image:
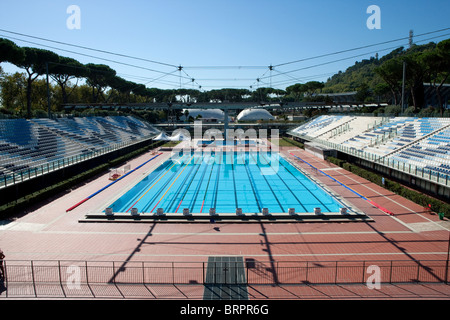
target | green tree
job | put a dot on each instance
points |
(414, 79)
(296, 91)
(391, 71)
(65, 70)
(13, 93)
(10, 52)
(313, 87)
(363, 92)
(121, 88)
(99, 77)
(437, 68)
(35, 64)
(381, 91)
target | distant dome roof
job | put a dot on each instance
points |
(255, 114)
(205, 113)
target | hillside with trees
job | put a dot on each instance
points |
(380, 79)
(376, 79)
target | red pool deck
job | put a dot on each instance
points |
(48, 232)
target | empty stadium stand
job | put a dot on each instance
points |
(417, 146)
(29, 146)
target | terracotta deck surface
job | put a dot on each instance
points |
(48, 232)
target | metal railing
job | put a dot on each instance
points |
(23, 175)
(250, 271)
(402, 166)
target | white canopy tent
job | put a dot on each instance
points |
(179, 137)
(162, 137)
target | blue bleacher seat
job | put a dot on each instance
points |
(27, 144)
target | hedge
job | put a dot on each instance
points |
(397, 188)
(294, 143)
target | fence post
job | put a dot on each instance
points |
(335, 273)
(225, 272)
(173, 275)
(60, 278)
(418, 270)
(87, 278)
(448, 257)
(277, 272)
(32, 277)
(363, 271)
(5, 276)
(307, 269)
(246, 270)
(390, 274)
(113, 271)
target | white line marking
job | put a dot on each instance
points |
(231, 254)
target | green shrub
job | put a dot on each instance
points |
(290, 141)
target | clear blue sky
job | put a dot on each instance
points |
(223, 33)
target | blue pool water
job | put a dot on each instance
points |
(226, 181)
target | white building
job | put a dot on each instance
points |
(209, 114)
(254, 115)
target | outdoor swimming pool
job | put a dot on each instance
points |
(250, 181)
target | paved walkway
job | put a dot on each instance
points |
(48, 232)
(430, 291)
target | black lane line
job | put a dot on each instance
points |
(173, 202)
(155, 196)
(234, 186)
(217, 183)
(298, 200)
(250, 178)
(267, 182)
(199, 185)
(209, 179)
(287, 169)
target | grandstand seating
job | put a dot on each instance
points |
(321, 125)
(420, 142)
(371, 137)
(27, 144)
(430, 152)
